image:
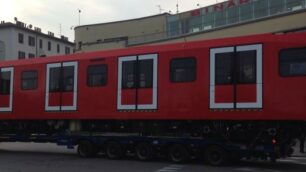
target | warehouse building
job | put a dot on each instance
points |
(227, 19)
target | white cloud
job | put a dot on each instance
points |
(49, 14)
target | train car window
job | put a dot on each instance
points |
(145, 71)
(54, 83)
(247, 67)
(29, 80)
(128, 74)
(5, 81)
(68, 78)
(183, 70)
(224, 68)
(97, 75)
(292, 62)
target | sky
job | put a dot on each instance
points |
(61, 16)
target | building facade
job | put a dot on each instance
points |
(226, 19)
(19, 41)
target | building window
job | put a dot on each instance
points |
(97, 75)
(31, 55)
(260, 8)
(49, 46)
(208, 21)
(183, 70)
(29, 80)
(195, 24)
(246, 11)
(31, 41)
(80, 45)
(293, 5)
(276, 6)
(58, 48)
(67, 50)
(232, 15)
(220, 18)
(20, 38)
(292, 62)
(40, 44)
(21, 55)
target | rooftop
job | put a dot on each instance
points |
(36, 30)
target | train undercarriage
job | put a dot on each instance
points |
(248, 134)
(232, 130)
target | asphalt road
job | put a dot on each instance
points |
(20, 157)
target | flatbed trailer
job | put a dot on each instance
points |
(177, 149)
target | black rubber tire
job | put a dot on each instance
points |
(178, 154)
(144, 152)
(215, 156)
(114, 150)
(86, 149)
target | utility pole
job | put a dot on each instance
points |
(79, 16)
(160, 9)
(60, 29)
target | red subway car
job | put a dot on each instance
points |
(248, 82)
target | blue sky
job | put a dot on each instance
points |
(51, 15)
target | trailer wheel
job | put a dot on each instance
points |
(215, 155)
(114, 150)
(144, 151)
(86, 149)
(178, 153)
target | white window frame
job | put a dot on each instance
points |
(10, 107)
(75, 87)
(258, 49)
(259, 81)
(212, 101)
(120, 106)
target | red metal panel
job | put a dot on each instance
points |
(4, 100)
(246, 93)
(67, 98)
(224, 93)
(128, 97)
(54, 99)
(144, 96)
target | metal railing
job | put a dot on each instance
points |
(256, 9)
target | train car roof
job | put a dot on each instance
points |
(148, 49)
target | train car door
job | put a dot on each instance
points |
(6, 89)
(236, 77)
(137, 82)
(61, 86)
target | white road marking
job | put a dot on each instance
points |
(256, 169)
(295, 160)
(292, 160)
(299, 158)
(171, 168)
